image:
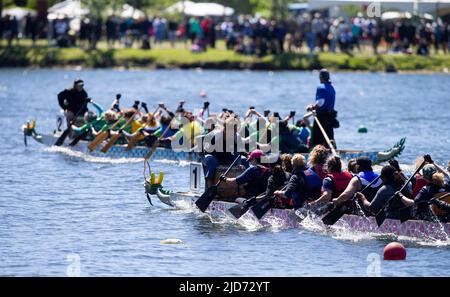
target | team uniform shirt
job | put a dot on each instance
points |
(382, 199)
(325, 98)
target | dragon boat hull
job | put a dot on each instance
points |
(119, 151)
(412, 228)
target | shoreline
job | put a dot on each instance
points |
(214, 59)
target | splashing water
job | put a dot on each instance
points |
(89, 158)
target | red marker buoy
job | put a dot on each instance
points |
(394, 251)
(203, 94)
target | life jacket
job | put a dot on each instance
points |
(313, 183)
(420, 183)
(366, 177)
(340, 182)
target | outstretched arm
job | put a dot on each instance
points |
(353, 187)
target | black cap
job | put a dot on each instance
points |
(388, 174)
(78, 81)
(364, 163)
(324, 74)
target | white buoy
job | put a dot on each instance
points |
(171, 241)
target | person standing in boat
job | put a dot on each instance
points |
(324, 109)
(74, 102)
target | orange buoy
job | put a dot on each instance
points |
(203, 94)
(394, 251)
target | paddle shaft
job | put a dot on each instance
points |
(127, 122)
(263, 206)
(228, 170)
(327, 139)
(371, 184)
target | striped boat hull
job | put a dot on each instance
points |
(119, 151)
(411, 228)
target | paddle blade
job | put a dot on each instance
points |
(149, 199)
(262, 207)
(205, 200)
(238, 210)
(98, 140)
(380, 217)
(63, 137)
(111, 142)
(301, 214)
(78, 138)
(333, 216)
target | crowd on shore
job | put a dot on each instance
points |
(245, 34)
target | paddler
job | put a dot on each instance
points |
(303, 185)
(335, 182)
(92, 120)
(324, 108)
(438, 182)
(220, 149)
(392, 182)
(74, 102)
(188, 132)
(317, 159)
(363, 178)
(130, 128)
(254, 178)
(146, 131)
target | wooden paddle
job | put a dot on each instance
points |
(132, 142)
(205, 200)
(338, 211)
(381, 215)
(102, 135)
(327, 139)
(116, 137)
(66, 132)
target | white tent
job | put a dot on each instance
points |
(179, 6)
(18, 12)
(69, 8)
(413, 6)
(200, 9)
(129, 11)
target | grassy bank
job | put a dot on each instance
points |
(42, 56)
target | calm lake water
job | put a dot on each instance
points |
(56, 208)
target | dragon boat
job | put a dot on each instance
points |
(119, 151)
(219, 207)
